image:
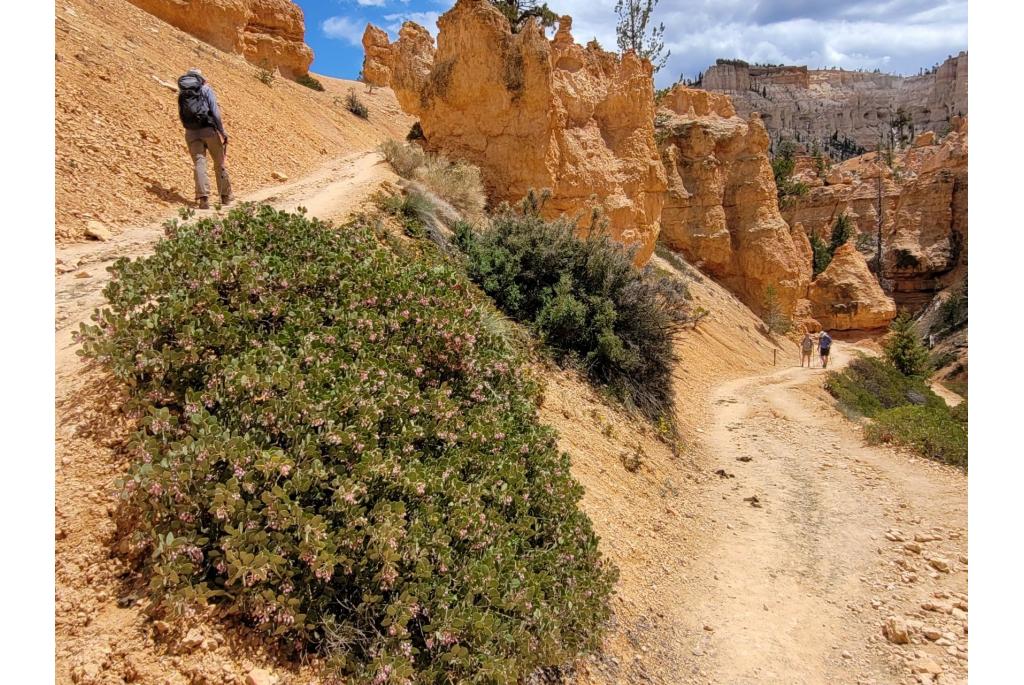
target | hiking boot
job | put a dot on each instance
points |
(204, 203)
(226, 200)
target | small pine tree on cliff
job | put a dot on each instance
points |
(904, 349)
(638, 33)
(518, 11)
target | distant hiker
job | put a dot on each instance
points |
(204, 130)
(806, 347)
(824, 347)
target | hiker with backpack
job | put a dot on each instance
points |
(204, 130)
(806, 347)
(824, 347)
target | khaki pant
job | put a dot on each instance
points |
(199, 142)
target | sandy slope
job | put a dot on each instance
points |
(121, 157)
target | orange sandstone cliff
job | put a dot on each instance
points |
(534, 113)
(268, 33)
(721, 209)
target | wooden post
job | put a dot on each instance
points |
(775, 353)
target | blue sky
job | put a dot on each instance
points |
(897, 36)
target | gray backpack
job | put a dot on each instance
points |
(193, 107)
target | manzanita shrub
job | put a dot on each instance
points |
(335, 450)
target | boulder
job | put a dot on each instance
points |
(268, 33)
(846, 295)
(721, 208)
(97, 231)
(534, 113)
(896, 630)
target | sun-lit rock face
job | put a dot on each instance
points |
(406, 61)
(847, 296)
(721, 209)
(534, 113)
(268, 33)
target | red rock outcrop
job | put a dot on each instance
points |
(847, 296)
(721, 209)
(534, 114)
(924, 206)
(268, 33)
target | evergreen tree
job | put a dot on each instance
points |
(637, 32)
(518, 11)
(903, 349)
(774, 316)
(842, 230)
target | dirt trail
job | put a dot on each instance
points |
(796, 589)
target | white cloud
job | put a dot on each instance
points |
(372, 3)
(344, 28)
(892, 35)
(427, 20)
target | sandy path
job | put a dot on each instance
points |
(102, 635)
(796, 590)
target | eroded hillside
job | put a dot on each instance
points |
(120, 152)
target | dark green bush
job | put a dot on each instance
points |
(584, 298)
(953, 311)
(336, 450)
(903, 408)
(822, 257)
(869, 386)
(935, 432)
(842, 231)
(415, 132)
(310, 82)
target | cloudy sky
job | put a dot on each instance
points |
(898, 36)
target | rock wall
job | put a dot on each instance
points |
(267, 33)
(721, 209)
(924, 206)
(534, 113)
(847, 296)
(810, 105)
(405, 63)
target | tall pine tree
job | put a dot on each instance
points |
(637, 32)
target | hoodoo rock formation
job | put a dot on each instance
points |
(847, 296)
(268, 33)
(535, 114)
(811, 105)
(721, 209)
(923, 203)
(406, 61)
